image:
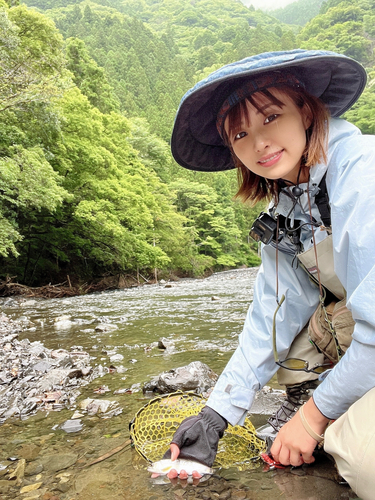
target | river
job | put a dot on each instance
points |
(199, 320)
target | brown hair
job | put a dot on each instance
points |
(254, 188)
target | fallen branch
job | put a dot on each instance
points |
(109, 454)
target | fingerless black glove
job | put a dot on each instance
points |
(198, 436)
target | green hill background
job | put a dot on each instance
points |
(88, 94)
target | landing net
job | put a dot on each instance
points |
(155, 423)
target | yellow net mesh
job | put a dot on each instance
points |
(155, 423)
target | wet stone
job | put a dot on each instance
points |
(50, 496)
(30, 487)
(238, 495)
(33, 469)
(97, 406)
(179, 492)
(265, 487)
(55, 463)
(298, 472)
(29, 452)
(225, 495)
(205, 495)
(218, 487)
(63, 487)
(5, 486)
(18, 473)
(106, 328)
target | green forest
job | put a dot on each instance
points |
(88, 94)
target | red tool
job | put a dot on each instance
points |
(271, 463)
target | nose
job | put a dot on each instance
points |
(262, 142)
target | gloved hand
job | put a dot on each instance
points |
(198, 436)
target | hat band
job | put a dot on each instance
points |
(274, 79)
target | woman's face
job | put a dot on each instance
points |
(271, 143)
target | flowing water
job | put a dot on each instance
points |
(198, 320)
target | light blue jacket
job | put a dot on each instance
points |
(351, 187)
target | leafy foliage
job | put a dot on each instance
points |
(30, 58)
(344, 28)
(88, 186)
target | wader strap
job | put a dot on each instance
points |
(322, 202)
(326, 268)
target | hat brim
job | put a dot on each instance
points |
(196, 144)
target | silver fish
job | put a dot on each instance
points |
(164, 466)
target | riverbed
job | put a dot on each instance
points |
(121, 330)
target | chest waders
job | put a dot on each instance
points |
(330, 327)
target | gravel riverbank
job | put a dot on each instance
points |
(33, 377)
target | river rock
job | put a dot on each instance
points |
(73, 425)
(29, 451)
(267, 401)
(42, 366)
(54, 463)
(196, 377)
(106, 328)
(30, 487)
(56, 377)
(166, 345)
(116, 358)
(33, 469)
(5, 486)
(100, 406)
(63, 487)
(19, 472)
(63, 322)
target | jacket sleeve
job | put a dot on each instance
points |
(252, 364)
(351, 189)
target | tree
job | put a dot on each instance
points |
(31, 59)
(342, 29)
(89, 77)
(28, 184)
(362, 113)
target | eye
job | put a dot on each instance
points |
(240, 135)
(271, 118)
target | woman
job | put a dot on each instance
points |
(268, 116)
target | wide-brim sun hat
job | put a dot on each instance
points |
(196, 143)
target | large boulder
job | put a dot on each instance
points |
(196, 377)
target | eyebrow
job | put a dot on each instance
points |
(264, 108)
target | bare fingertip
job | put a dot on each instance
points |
(172, 474)
(183, 474)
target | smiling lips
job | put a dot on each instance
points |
(268, 161)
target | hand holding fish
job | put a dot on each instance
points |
(196, 440)
(181, 468)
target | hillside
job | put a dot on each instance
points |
(346, 27)
(299, 12)
(153, 53)
(89, 187)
